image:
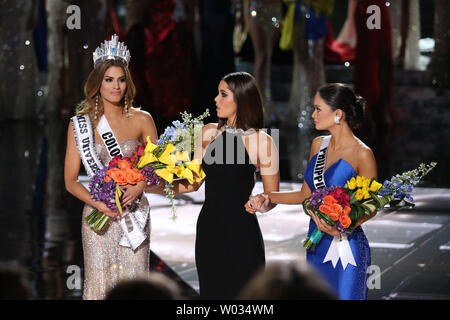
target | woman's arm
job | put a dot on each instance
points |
(289, 197)
(367, 167)
(179, 186)
(297, 197)
(147, 128)
(72, 165)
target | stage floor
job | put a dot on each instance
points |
(411, 247)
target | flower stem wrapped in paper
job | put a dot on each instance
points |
(171, 156)
(344, 207)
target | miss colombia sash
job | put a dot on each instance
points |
(108, 137)
(132, 223)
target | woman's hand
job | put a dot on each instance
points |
(131, 192)
(322, 225)
(255, 203)
(100, 206)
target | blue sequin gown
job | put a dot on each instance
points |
(350, 284)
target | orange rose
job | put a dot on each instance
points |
(117, 175)
(330, 211)
(345, 220)
(107, 179)
(347, 210)
(329, 199)
(133, 176)
(336, 208)
(123, 164)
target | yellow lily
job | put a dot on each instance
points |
(147, 156)
(166, 157)
(145, 159)
(195, 166)
(186, 173)
(182, 156)
(375, 186)
(359, 195)
(201, 176)
(365, 191)
(351, 184)
(359, 181)
(366, 182)
(166, 173)
(150, 147)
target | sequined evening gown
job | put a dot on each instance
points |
(229, 246)
(105, 261)
(350, 284)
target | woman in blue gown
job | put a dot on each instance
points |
(338, 110)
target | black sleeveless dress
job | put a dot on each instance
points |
(229, 247)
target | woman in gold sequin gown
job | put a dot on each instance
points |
(264, 19)
(105, 260)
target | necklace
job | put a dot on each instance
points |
(232, 130)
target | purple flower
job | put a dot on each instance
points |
(151, 178)
(103, 191)
(316, 198)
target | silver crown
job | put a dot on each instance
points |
(112, 49)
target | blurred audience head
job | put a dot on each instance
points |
(13, 283)
(287, 281)
(156, 286)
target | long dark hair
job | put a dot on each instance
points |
(340, 96)
(247, 97)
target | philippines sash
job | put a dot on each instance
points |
(319, 181)
(339, 247)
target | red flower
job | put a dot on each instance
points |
(140, 151)
(341, 196)
(114, 161)
(134, 158)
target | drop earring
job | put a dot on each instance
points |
(96, 108)
(126, 108)
(336, 119)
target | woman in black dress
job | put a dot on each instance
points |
(229, 247)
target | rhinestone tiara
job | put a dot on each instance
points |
(112, 49)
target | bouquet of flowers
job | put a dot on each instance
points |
(168, 159)
(344, 207)
(183, 135)
(106, 186)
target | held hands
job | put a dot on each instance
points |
(131, 192)
(322, 225)
(257, 203)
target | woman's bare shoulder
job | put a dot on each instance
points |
(211, 125)
(141, 115)
(315, 144)
(363, 152)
